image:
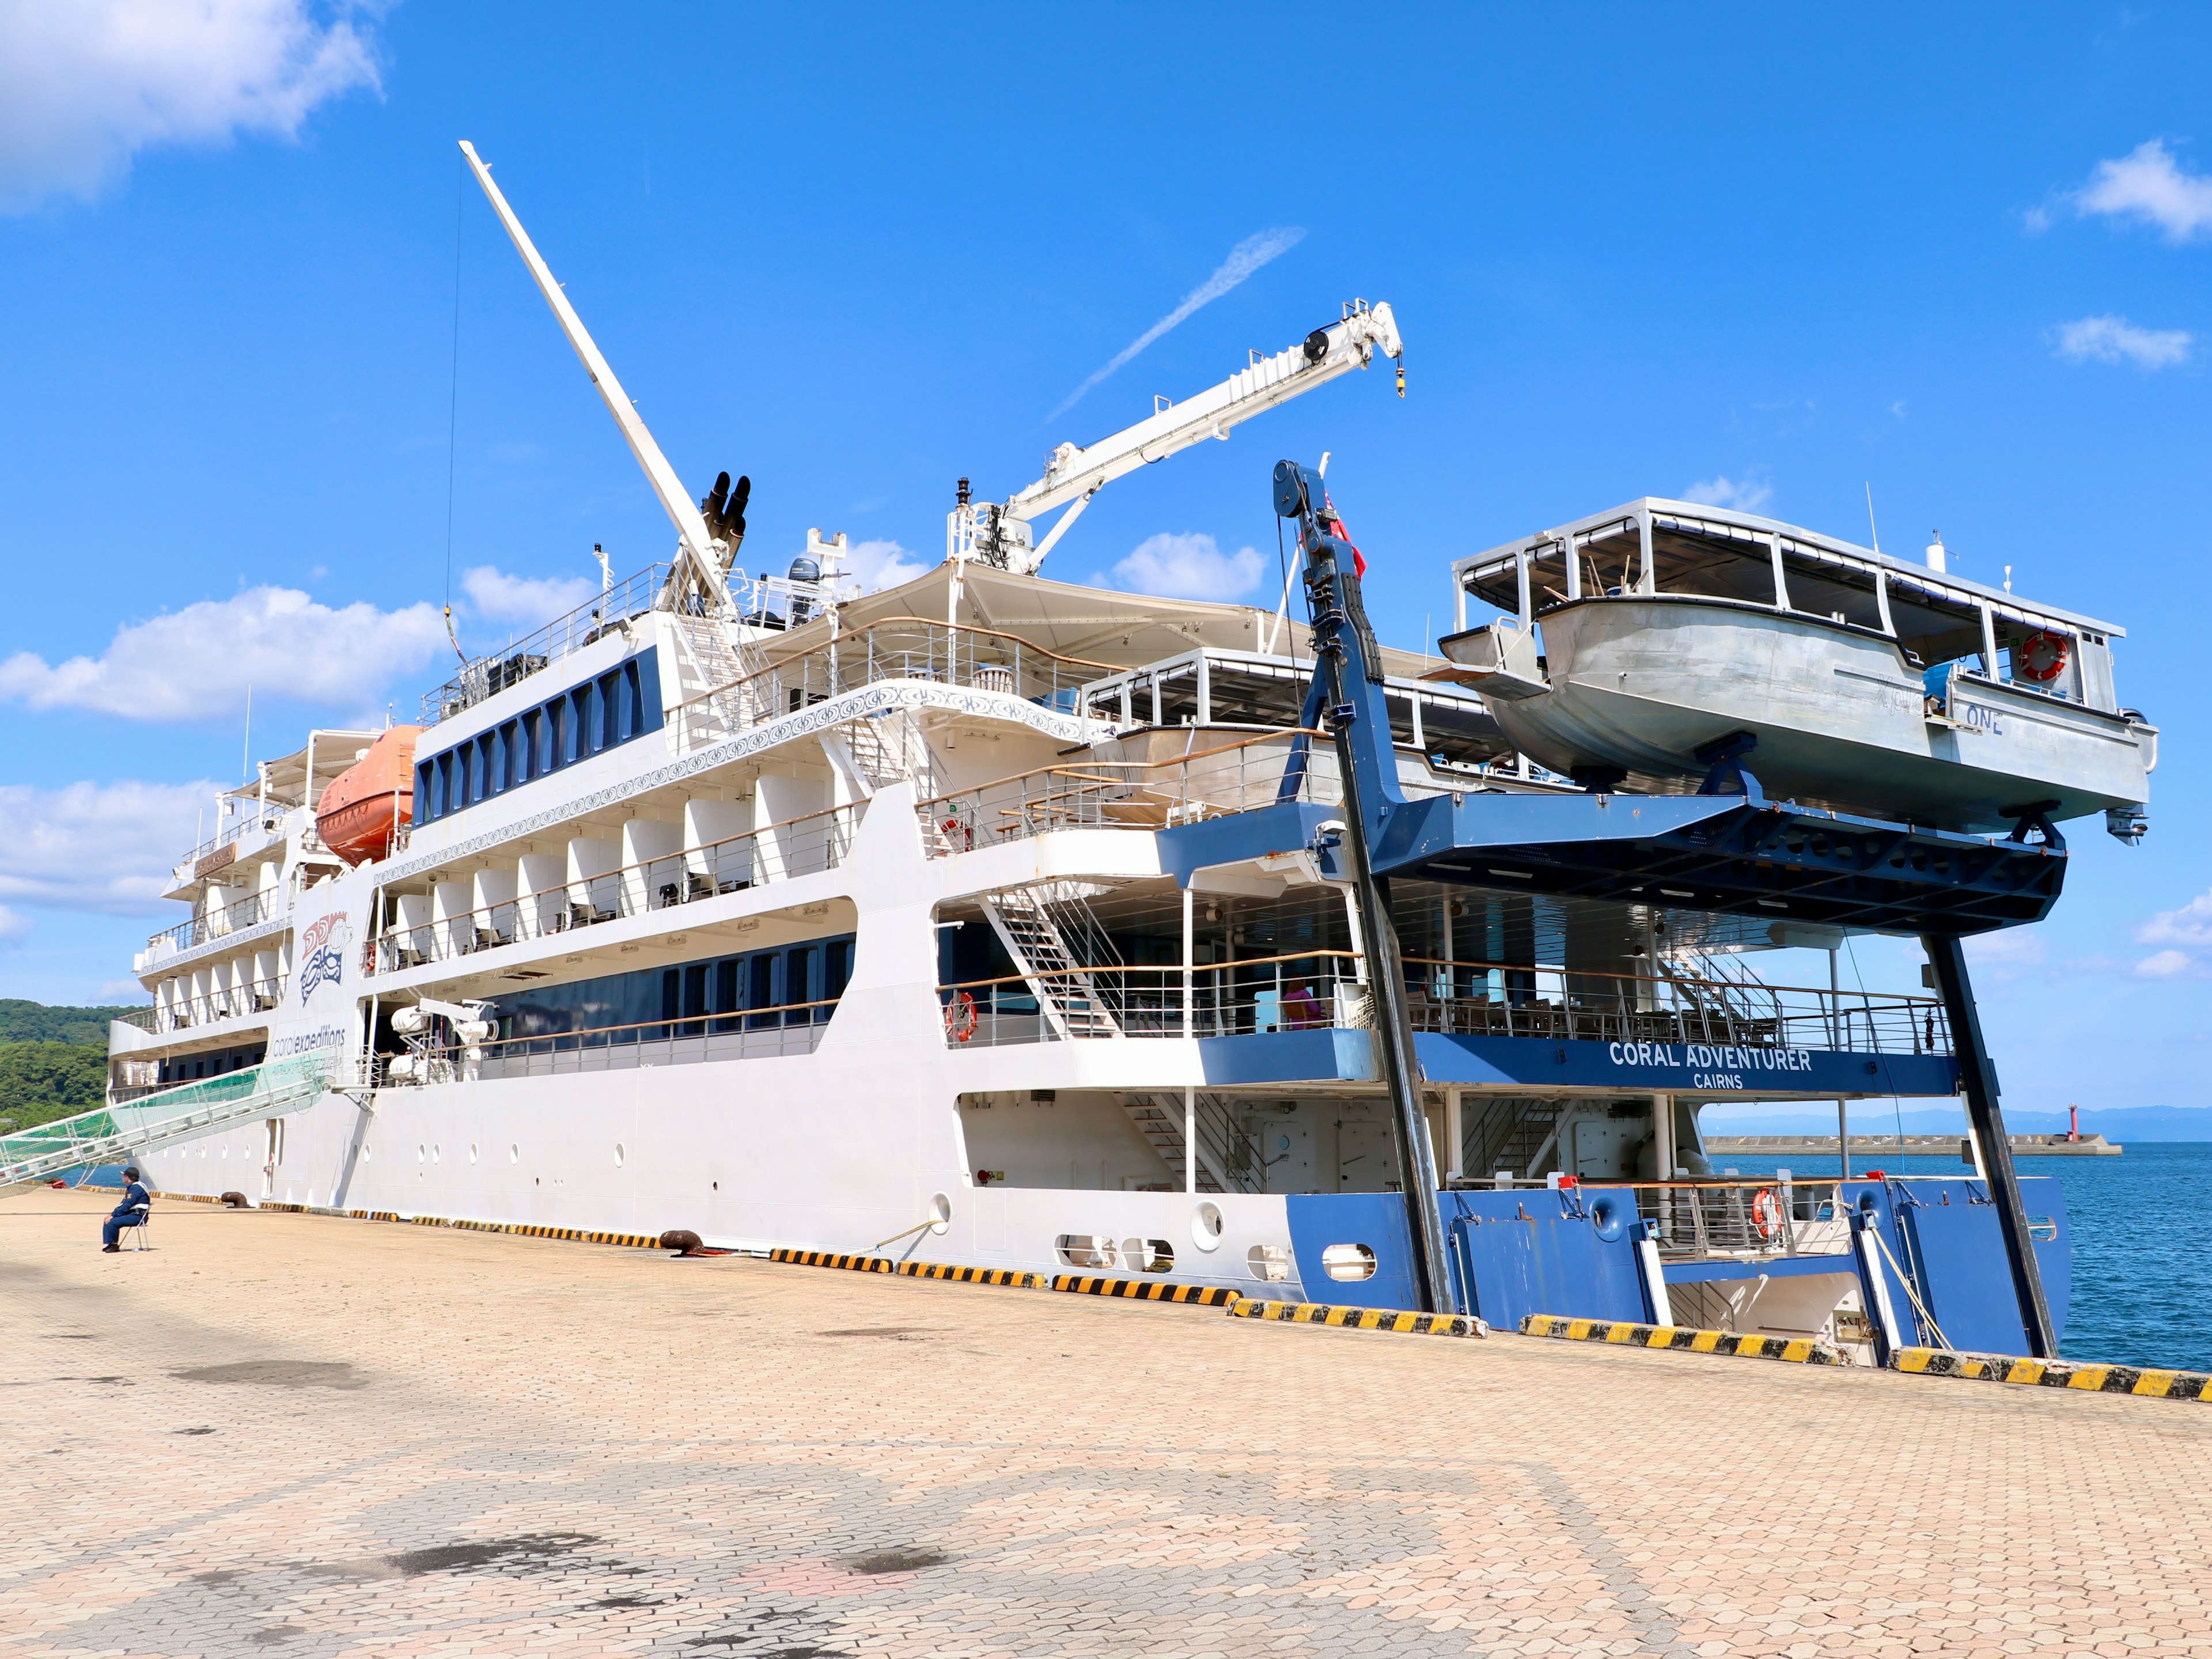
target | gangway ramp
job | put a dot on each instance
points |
(110, 1133)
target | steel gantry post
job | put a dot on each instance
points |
(1978, 1082)
(1348, 675)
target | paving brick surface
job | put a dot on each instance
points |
(291, 1435)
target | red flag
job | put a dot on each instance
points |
(1334, 526)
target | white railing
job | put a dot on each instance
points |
(234, 918)
(773, 853)
(259, 996)
(1109, 794)
(947, 653)
(1322, 989)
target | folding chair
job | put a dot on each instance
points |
(138, 1225)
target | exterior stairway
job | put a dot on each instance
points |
(709, 667)
(1513, 1134)
(1067, 995)
(111, 1133)
(1159, 1117)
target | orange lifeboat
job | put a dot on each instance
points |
(369, 803)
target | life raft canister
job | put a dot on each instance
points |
(1766, 1213)
(2040, 657)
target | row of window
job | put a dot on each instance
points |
(189, 1068)
(584, 720)
(789, 985)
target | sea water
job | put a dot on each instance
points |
(2142, 1242)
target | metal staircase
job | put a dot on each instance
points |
(714, 674)
(1513, 1134)
(111, 1133)
(1068, 995)
(1159, 1117)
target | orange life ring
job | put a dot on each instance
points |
(2040, 657)
(960, 1017)
(957, 829)
(1766, 1213)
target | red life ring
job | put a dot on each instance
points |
(960, 1017)
(958, 834)
(1766, 1213)
(2040, 657)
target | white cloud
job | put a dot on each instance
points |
(113, 991)
(86, 84)
(2149, 185)
(13, 924)
(1189, 567)
(1745, 495)
(2115, 339)
(1247, 257)
(2185, 933)
(880, 564)
(196, 663)
(104, 847)
(526, 601)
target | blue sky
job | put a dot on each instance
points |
(1775, 256)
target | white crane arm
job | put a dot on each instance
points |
(690, 523)
(1073, 475)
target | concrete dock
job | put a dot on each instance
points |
(303, 1435)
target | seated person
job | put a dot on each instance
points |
(1303, 1010)
(137, 1204)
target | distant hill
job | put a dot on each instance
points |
(42, 1081)
(53, 1060)
(2120, 1124)
(35, 1022)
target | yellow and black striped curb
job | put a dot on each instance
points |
(1801, 1351)
(1145, 1289)
(2056, 1374)
(1359, 1319)
(882, 1264)
(518, 1229)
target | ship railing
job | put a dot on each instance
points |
(791, 1028)
(524, 655)
(140, 1017)
(762, 857)
(1325, 989)
(1753, 1218)
(276, 820)
(238, 1001)
(233, 918)
(946, 653)
(1111, 794)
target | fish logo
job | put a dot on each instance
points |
(322, 954)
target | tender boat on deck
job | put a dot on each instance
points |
(1669, 644)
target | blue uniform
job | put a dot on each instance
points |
(137, 1202)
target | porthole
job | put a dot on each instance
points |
(940, 1207)
(1206, 1224)
(422, 1154)
(514, 1155)
(472, 1151)
(1348, 1262)
(619, 1155)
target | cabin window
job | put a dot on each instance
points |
(695, 984)
(797, 983)
(532, 763)
(609, 701)
(837, 968)
(760, 990)
(585, 698)
(515, 761)
(729, 991)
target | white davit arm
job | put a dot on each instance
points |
(690, 523)
(1075, 475)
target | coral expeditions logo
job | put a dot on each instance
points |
(322, 954)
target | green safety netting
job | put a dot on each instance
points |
(107, 1132)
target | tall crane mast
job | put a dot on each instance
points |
(701, 551)
(998, 533)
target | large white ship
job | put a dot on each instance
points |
(996, 922)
